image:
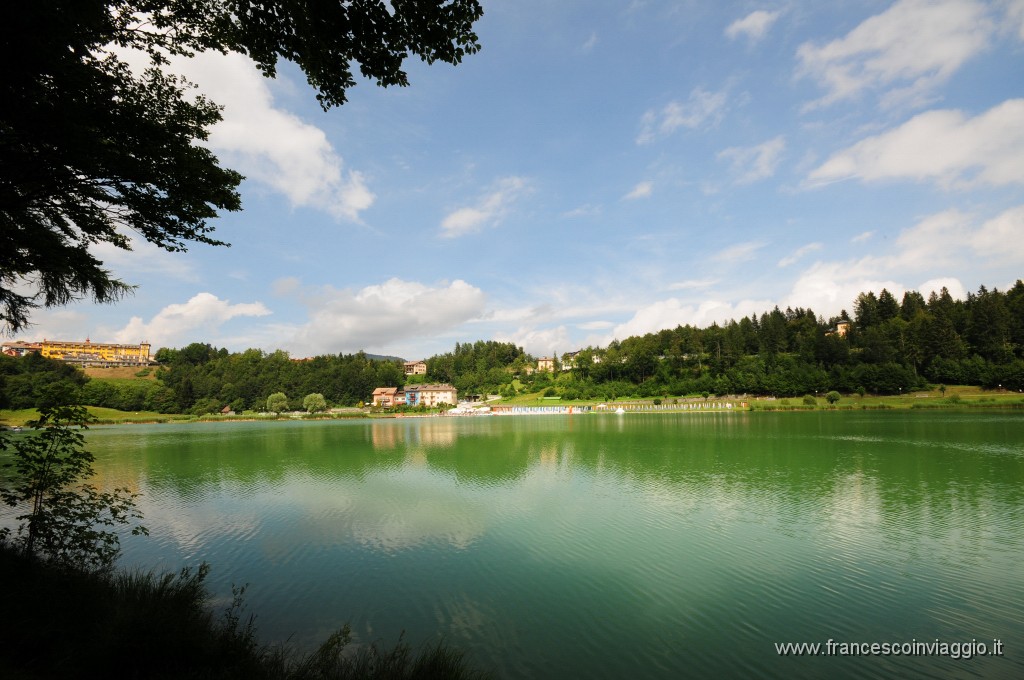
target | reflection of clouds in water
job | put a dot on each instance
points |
(462, 616)
(392, 521)
(677, 499)
(190, 529)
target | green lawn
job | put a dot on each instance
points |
(967, 395)
(20, 417)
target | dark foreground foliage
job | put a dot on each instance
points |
(67, 623)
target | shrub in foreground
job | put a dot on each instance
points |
(65, 622)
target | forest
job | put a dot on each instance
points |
(890, 346)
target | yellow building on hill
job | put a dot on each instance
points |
(96, 353)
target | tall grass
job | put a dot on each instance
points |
(129, 624)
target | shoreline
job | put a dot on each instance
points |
(9, 423)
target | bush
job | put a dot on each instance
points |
(277, 402)
(64, 520)
(810, 400)
(314, 403)
(204, 406)
(82, 624)
(832, 397)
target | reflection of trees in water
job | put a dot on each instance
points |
(901, 475)
(195, 460)
(895, 470)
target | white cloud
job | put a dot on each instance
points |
(942, 146)
(912, 47)
(270, 145)
(586, 210)
(144, 257)
(828, 287)
(283, 287)
(693, 284)
(1002, 237)
(936, 243)
(590, 43)
(741, 252)
(955, 288)
(57, 323)
(391, 314)
(702, 107)
(672, 312)
(641, 190)
(1015, 17)
(862, 237)
(539, 341)
(754, 26)
(754, 163)
(489, 209)
(797, 254)
(924, 252)
(175, 323)
(945, 238)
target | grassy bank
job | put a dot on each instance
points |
(62, 623)
(957, 396)
(109, 416)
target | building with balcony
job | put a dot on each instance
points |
(90, 353)
(431, 395)
(415, 368)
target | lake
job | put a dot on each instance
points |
(604, 546)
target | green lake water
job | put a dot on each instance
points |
(603, 546)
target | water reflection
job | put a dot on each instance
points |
(546, 546)
(413, 433)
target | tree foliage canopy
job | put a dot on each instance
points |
(277, 402)
(314, 403)
(92, 152)
(64, 520)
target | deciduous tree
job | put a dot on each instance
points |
(314, 403)
(66, 520)
(93, 152)
(277, 402)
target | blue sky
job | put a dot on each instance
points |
(599, 170)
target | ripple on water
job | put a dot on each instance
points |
(682, 553)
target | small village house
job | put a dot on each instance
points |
(385, 397)
(416, 367)
(431, 395)
(842, 328)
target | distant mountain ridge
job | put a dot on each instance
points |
(383, 357)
